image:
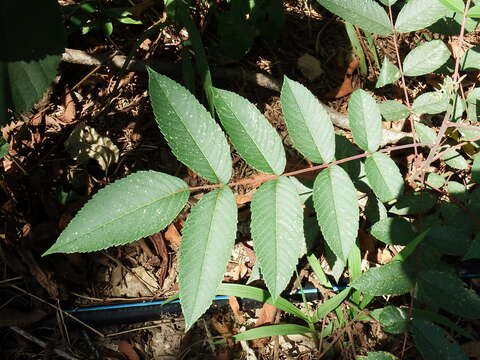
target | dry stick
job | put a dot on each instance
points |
(267, 177)
(266, 81)
(58, 309)
(446, 119)
(404, 84)
(11, 280)
(41, 343)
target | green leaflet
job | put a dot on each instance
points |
(449, 293)
(392, 110)
(455, 160)
(394, 230)
(455, 5)
(388, 2)
(394, 320)
(250, 132)
(419, 14)
(192, 134)
(426, 58)
(4, 147)
(389, 73)
(390, 279)
(384, 176)
(367, 14)
(435, 180)
(277, 232)
(365, 120)
(476, 169)
(271, 330)
(415, 203)
(29, 58)
(309, 124)
(474, 12)
(378, 355)
(336, 204)
(207, 242)
(432, 342)
(425, 133)
(150, 201)
(434, 102)
(470, 60)
(331, 304)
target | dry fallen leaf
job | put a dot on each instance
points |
(69, 106)
(173, 236)
(127, 349)
(346, 87)
(235, 306)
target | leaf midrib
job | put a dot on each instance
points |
(250, 137)
(309, 133)
(188, 132)
(124, 215)
(337, 225)
(210, 225)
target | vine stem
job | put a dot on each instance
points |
(446, 120)
(402, 76)
(266, 177)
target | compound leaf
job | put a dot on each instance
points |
(365, 120)
(418, 14)
(207, 242)
(277, 232)
(426, 58)
(390, 279)
(336, 204)
(250, 132)
(139, 205)
(384, 176)
(309, 124)
(367, 14)
(192, 134)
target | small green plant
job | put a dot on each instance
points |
(88, 15)
(145, 202)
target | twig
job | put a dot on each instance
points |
(41, 343)
(264, 80)
(159, 323)
(58, 309)
(11, 280)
